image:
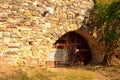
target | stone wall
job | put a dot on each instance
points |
(28, 28)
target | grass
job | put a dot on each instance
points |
(72, 74)
(37, 73)
(8, 72)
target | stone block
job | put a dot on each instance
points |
(5, 6)
(1, 53)
(6, 34)
(25, 28)
(1, 40)
(11, 53)
(28, 13)
(3, 14)
(6, 40)
(13, 7)
(15, 35)
(34, 61)
(11, 59)
(3, 26)
(35, 3)
(33, 48)
(50, 64)
(7, 30)
(1, 34)
(35, 29)
(12, 25)
(14, 45)
(3, 19)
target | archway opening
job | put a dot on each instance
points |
(71, 49)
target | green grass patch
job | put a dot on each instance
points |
(71, 74)
(37, 73)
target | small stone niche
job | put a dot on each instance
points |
(31, 43)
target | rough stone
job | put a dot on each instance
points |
(14, 45)
(10, 53)
(1, 34)
(30, 27)
(6, 40)
(33, 48)
(16, 35)
(6, 34)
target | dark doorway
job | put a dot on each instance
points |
(71, 49)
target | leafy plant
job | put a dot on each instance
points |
(106, 18)
(109, 18)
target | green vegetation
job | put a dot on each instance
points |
(106, 18)
(72, 74)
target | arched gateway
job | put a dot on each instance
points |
(74, 48)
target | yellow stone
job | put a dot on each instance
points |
(52, 1)
(35, 54)
(31, 0)
(28, 13)
(32, 17)
(73, 26)
(11, 20)
(3, 26)
(33, 48)
(71, 0)
(64, 15)
(63, 2)
(55, 19)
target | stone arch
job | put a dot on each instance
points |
(96, 48)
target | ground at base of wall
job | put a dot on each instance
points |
(70, 73)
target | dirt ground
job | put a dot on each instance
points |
(101, 72)
(89, 72)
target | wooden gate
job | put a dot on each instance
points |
(73, 54)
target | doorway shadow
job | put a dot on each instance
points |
(71, 49)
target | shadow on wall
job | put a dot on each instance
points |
(69, 50)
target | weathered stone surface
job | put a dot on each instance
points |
(34, 61)
(30, 27)
(6, 34)
(14, 45)
(10, 53)
(10, 59)
(6, 40)
(1, 34)
(33, 48)
(1, 55)
(16, 35)
(3, 26)
(11, 25)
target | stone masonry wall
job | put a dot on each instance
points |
(28, 28)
